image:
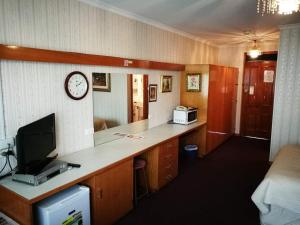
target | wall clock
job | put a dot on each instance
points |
(76, 85)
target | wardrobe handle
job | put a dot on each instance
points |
(99, 194)
(216, 132)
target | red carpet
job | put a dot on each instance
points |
(215, 190)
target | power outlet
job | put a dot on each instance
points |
(4, 143)
(89, 131)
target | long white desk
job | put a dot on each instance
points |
(94, 159)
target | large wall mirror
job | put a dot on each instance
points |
(119, 99)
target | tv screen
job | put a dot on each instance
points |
(35, 142)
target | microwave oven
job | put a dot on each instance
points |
(183, 115)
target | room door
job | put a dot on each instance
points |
(257, 98)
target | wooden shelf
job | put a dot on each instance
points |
(10, 52)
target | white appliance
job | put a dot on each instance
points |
(69, 207)
(184, 115)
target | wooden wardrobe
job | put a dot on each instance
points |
(216, 102)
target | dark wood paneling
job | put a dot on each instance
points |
(42, 55)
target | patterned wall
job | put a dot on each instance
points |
(71, 25)
(2, 134)
(286, 115)
(32, 90)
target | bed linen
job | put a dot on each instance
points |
(278, 195)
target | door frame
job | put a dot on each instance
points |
(130, 97)
(242, 129)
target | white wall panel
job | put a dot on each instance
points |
(161, 111)
(286, 114)
(2, 130)
(32, 90)
(76, 26)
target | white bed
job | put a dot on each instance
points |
(278, 195)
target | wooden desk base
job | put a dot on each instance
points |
(112, 188)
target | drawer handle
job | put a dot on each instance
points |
(169, 177)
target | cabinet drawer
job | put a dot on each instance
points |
(167, 173)
(169, 146)
(168, 162)
(162, 164)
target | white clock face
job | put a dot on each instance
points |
(77, 86)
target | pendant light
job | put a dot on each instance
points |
(254, 51)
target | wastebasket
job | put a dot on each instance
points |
(190, 151)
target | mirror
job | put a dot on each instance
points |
(119, 99)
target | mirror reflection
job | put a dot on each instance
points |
(119, 99)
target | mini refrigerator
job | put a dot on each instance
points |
(69, 207)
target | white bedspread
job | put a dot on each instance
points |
(278, 195)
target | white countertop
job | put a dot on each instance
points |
(105, 136)
(100, 157)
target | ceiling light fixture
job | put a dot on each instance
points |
(284, 7)
(254, 52)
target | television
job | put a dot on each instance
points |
(34, 143)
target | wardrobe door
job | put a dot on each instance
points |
(234, 98)
(221, 105)
(230, 101)
(216, 111)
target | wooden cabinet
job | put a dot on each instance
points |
(216, 102)
(111, 193)
(221, 105)
(162, 164)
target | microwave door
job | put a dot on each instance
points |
(192, 116)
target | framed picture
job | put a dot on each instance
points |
(193, 82)
(152, 92)
(101, 82)
(166, 83)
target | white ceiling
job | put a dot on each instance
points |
(217, 21)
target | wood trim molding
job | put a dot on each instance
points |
(10, 52)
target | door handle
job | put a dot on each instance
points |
(99, 193)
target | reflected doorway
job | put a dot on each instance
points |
(137, 97)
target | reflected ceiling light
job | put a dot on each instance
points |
(254, 51)
(284, 7)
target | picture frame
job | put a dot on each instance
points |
(101, 82)
(152, 92)
(193, 82)
(166, 83)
